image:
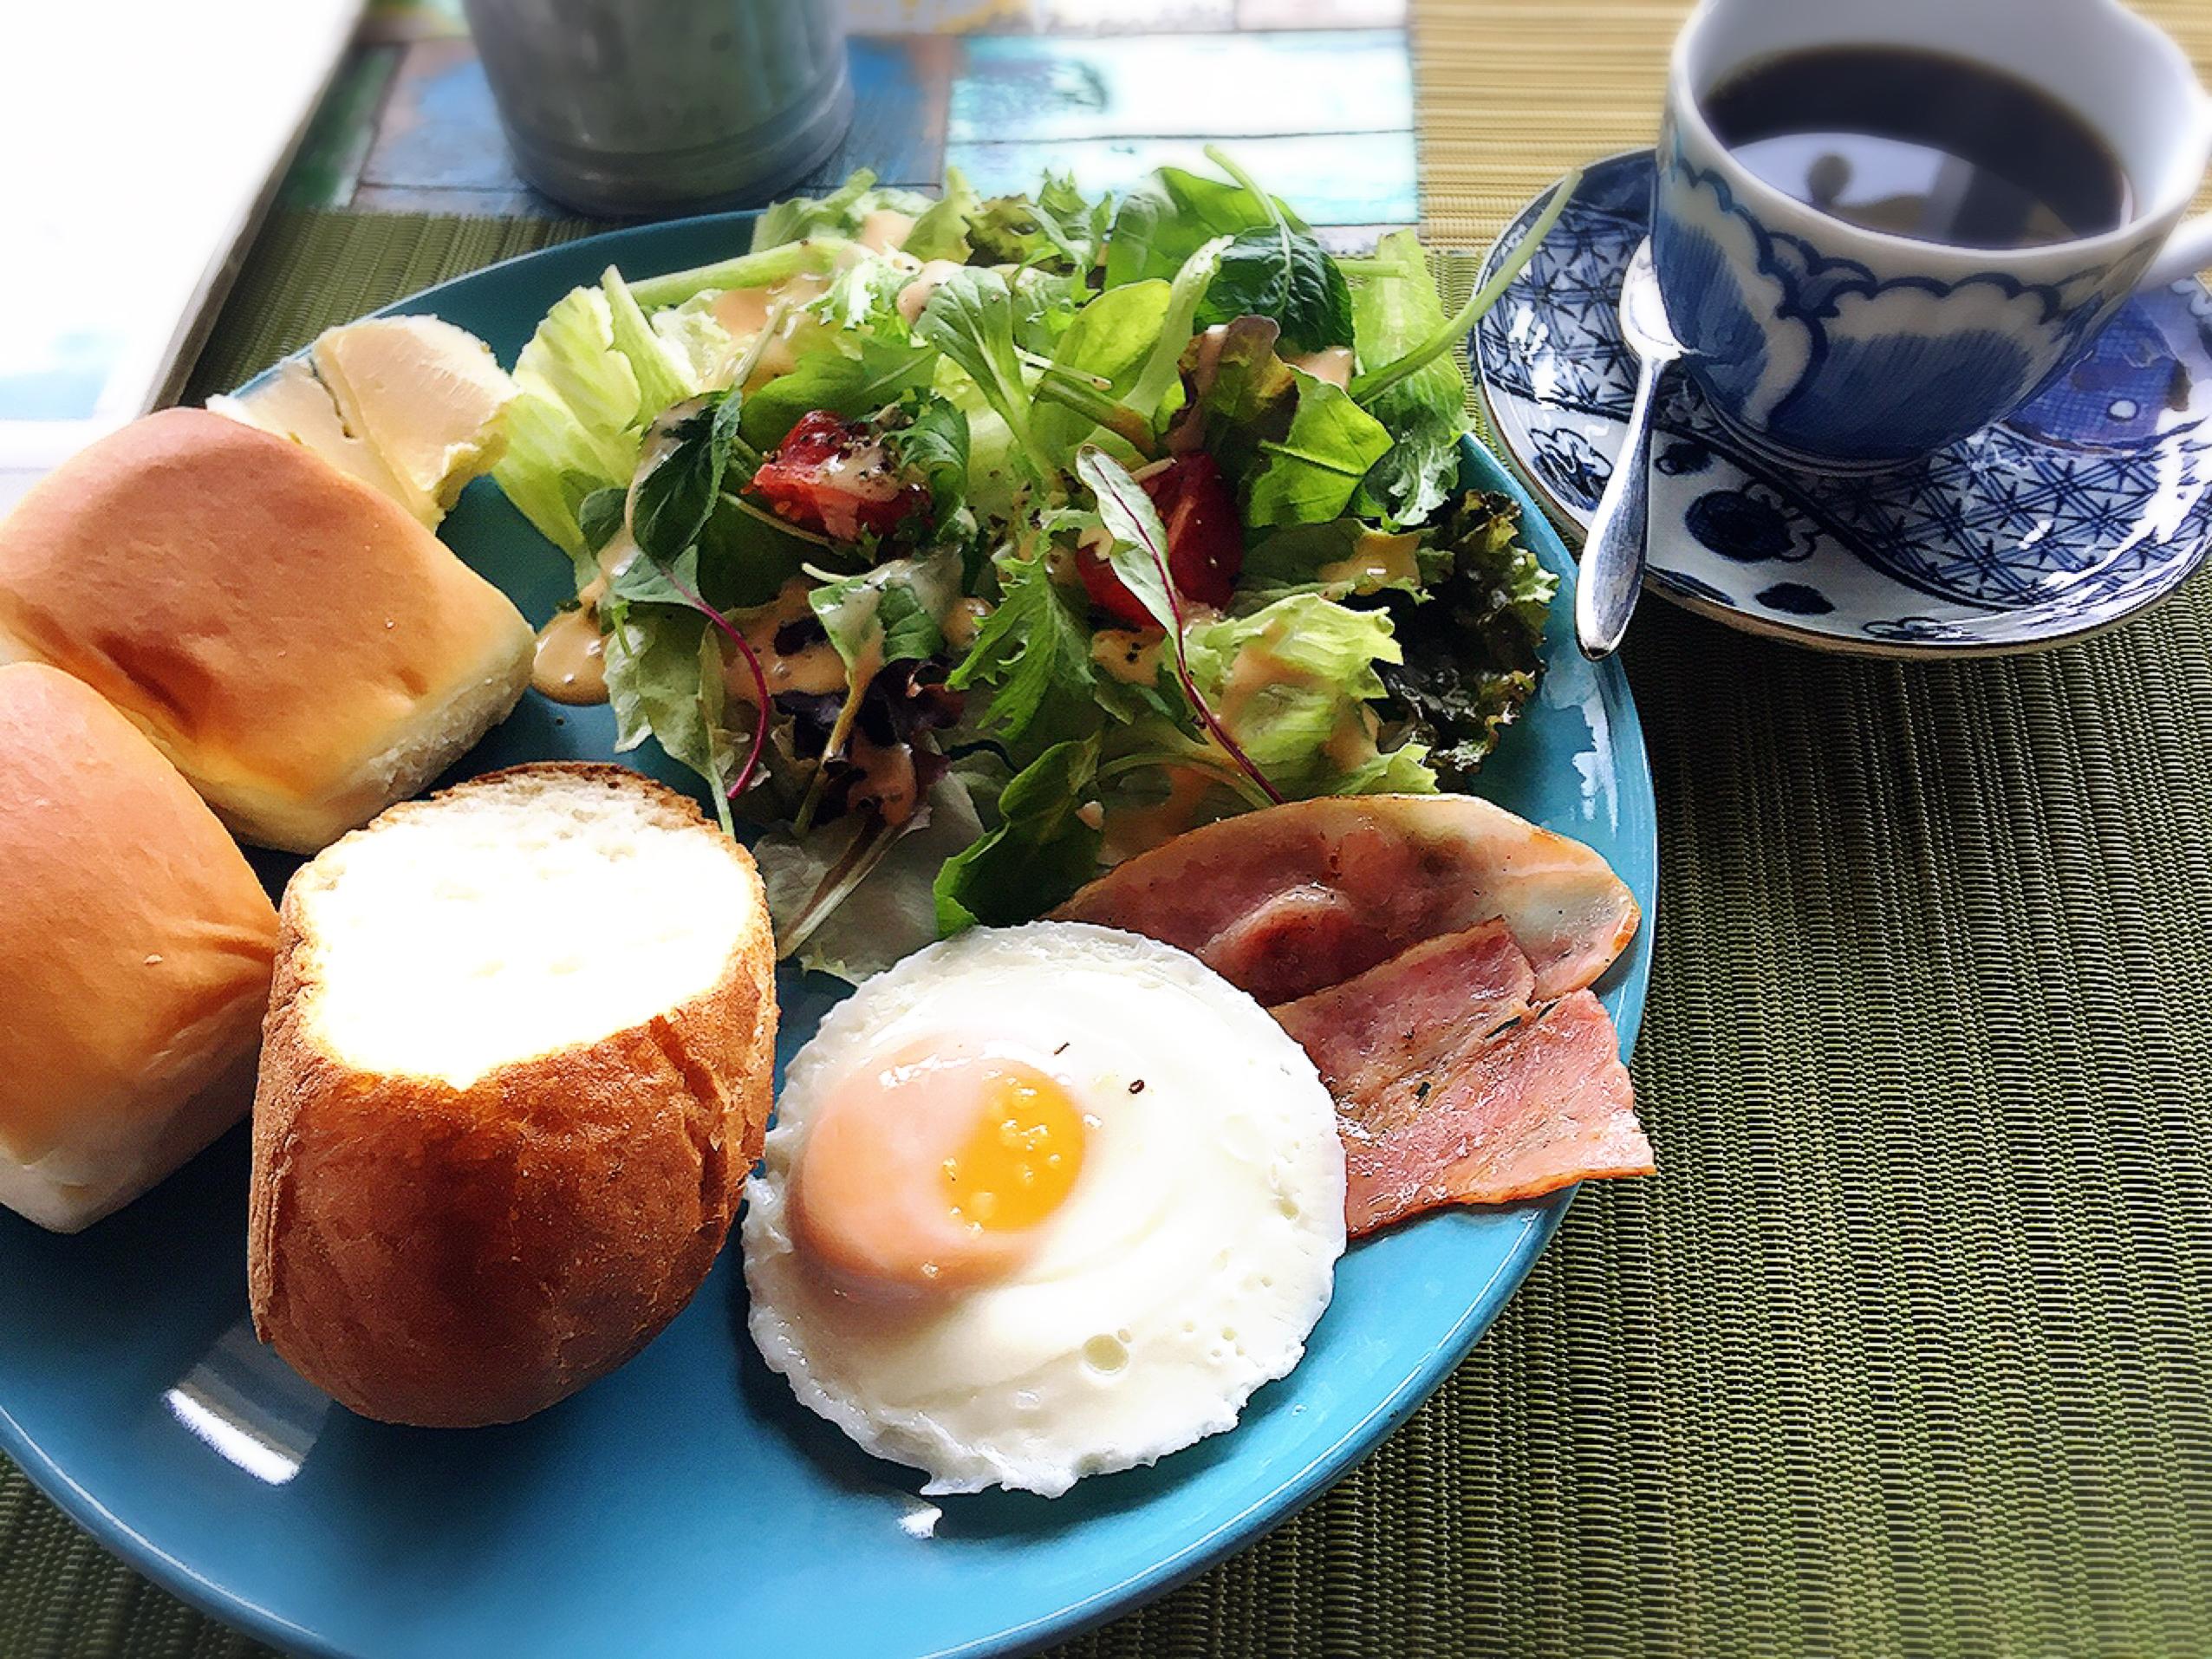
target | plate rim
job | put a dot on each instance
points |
(1353, 1443)
(1571, 527)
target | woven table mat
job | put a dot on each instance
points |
(1909, 1350)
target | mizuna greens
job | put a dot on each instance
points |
(963, 545)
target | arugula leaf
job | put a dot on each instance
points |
(1293, 681)
(839, 213)
(970, 318)
(894, 613)
(601, 515)
(1035, 650)
(1287, 278)
(1310, 473)
(1108, 341)
(933, 446)
(1473, 653)
(673, 496)
(941, 230)
(1043, 849)
(1139, 556)
(1394, 308)
(1171, 214)
(850, 387)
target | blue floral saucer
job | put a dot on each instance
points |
(2090, 503)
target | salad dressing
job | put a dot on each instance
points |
(1128, 655)
(886, 229)
(1376, 562)
(815, 670)
(1133, 830)
(743, 312)
(570, 664)
(1331, 363)
(965, 621)
(915, 295)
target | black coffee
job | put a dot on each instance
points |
(1920, 143)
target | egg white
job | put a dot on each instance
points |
(1184, 1270)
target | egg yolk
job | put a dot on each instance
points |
(1021, 1157)
(934, 1170)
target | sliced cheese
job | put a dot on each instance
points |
(425, 396)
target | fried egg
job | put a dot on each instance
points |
(1043, 1202)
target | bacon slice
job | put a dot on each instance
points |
(1450, 1092)
(1290, 900)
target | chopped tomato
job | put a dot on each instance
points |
(1204, 541)
(832, 476)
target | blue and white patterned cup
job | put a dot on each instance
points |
(1847, 349)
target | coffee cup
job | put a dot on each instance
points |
(1839, 327)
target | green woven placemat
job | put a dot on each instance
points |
(1909, 1349)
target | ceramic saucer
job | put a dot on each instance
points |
(2090, 503)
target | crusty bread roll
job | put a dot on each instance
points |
(134, 958)
(301, 649)
(517, 1064)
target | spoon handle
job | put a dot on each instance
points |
(1612, 552)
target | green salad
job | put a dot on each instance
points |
(964, 545)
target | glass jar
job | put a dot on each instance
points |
(633, 108)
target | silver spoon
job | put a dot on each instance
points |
(1612, 552)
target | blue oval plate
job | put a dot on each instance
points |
(687, 1504)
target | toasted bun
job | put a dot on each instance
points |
(518, 1065)
(301, 649)
(134, 960)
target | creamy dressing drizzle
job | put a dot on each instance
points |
(1331, 363)
(570, 663)
(1376, 559)
(815, 670)
(1128, 655)
(743, 312)
(915, 295)
(1133, 830)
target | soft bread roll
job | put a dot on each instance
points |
(134, 958)
(518, 1065)
(301, 649)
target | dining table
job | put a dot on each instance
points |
(1907, 1349)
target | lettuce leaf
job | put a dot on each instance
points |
(970, 318)
(1311, 474)
(582, 412)
(1044, 847)
(839, 213)
(1293, 681)
(1337, 559)
(1394, 308)
(941, 230)
(847, 909)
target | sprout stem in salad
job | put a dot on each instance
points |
(1365, 388)
(752, 664)
(1133, 523)
(1198, 759)
(761, 269)
(799, 532)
